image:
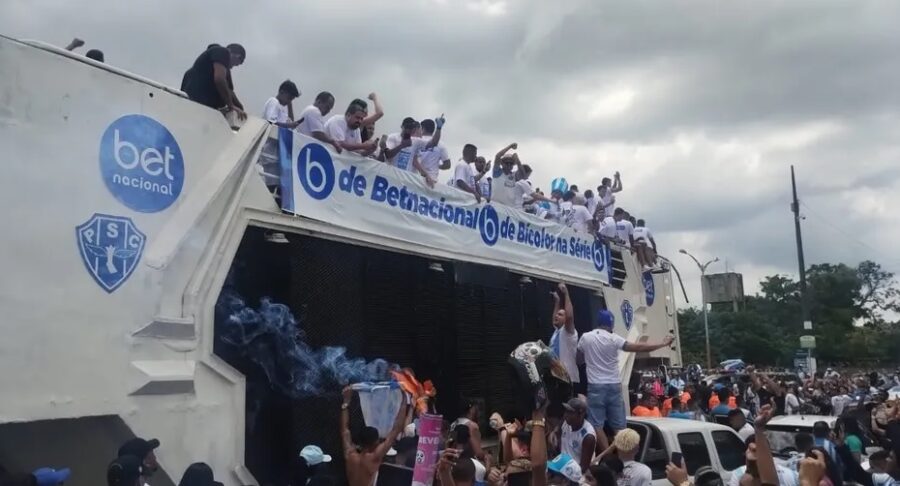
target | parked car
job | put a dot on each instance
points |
(701, 444)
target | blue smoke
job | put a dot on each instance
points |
(272, 338)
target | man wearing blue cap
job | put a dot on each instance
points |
(599, 351)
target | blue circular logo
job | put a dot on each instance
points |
(315, 170)
(649, 288)
(489, 225)
(141, 163)
(627, 314)
(598, 254)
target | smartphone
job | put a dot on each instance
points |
(677, 458)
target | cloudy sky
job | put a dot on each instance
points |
(702, 105)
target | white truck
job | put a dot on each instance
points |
(126, 205)
(700, 443)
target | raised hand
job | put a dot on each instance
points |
(373, 96)
(765, 414)
(439, 121)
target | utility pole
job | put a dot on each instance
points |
(804, 295)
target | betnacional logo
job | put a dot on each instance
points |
(111, 247)
(315, 169)
(141, 163)
(649, 288)
(627, 314)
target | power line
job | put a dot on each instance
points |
(847, 235)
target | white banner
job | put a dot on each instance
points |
(372, 197)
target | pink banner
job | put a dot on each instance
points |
(427, 454)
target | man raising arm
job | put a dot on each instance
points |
(362, 463)
(599, 351)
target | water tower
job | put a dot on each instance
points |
(722, 288)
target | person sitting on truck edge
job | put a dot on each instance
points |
(208, 81)
(577, 436)
(599, 351)
(564, 341)
(362, 463)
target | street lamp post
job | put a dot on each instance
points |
(702, 267)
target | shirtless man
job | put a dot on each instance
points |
(363, 462)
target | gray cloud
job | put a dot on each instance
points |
(702, 106)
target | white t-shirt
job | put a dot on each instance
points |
(503, 190)
(336, 128)
(601, 356)
(624, 229)
(592, 204)
(643, 235)
(608, 198)
(746, 431)
(608, 227)
(786, 477)
(635, 474)
(791, 404)
(571, 440)
(565, 347)
(463, 172)
(431, 158)
(404, 158)
(275, 112)
(313, 121)
(578, 218)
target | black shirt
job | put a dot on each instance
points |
(198, 81)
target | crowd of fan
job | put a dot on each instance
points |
(134, 465)
(417, 148)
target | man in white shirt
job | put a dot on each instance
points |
(279, 109)
(599, 351)
(627, 443)
(503, 188)
(483, 177)
(624, 228)
(402, 149)
(564, 341)
(791, 402)
(312, 119)
(644, 244)
(577, 216)
(344, 130)
(738, 422)
(577, 436)
(464, 176)
(608, 229)
(434, 159)
(591, 202)
(606, 191)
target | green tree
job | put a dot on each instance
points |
(767, 329)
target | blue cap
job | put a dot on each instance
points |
(605, 318)
(47, 476)
(565, 465)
